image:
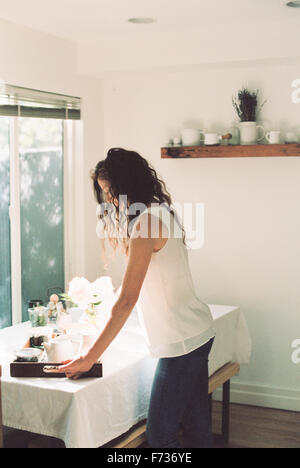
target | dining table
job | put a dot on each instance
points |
(91, 412)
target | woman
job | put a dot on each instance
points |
(177, 325)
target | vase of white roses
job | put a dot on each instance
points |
(91, 298)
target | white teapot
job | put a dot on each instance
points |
(59, 349)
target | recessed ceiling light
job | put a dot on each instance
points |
(141, 20)
(294, 4)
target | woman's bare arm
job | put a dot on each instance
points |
(140, 252)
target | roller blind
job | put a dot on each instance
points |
(22, 102)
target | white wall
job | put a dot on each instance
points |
(251, 252)
(40, 61)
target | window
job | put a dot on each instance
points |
(41, 207)
(33, 143)
(5, 270)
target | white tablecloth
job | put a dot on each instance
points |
(90, 412)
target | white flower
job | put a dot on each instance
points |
(102, 289)
(79, 291)
(84, 293)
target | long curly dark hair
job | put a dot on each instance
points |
(128, 173)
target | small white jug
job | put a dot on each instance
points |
(273, 137)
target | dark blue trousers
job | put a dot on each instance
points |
(179, 400)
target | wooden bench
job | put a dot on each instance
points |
(137, 436)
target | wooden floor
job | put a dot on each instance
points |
(251, 427)
(254, 427)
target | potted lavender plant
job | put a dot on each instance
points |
(246, 107)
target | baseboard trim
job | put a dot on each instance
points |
(261, 395)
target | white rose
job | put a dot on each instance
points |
(102, 290)
(79, 291)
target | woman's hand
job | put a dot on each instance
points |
(76, 367)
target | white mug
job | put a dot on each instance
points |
(191, 136)
(273, 137)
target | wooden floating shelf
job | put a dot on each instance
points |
(231, 151)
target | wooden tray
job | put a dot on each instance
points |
(35, 369)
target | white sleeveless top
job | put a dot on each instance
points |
(174, 320)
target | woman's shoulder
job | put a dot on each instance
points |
(158, 208)
(169, 219)
(155, 209)
(155, 215)
(149, 220)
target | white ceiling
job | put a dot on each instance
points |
(91, 20)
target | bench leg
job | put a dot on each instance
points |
(210, 406)
(226, 411)
(1, 427)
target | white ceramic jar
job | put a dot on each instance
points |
(249, 133)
